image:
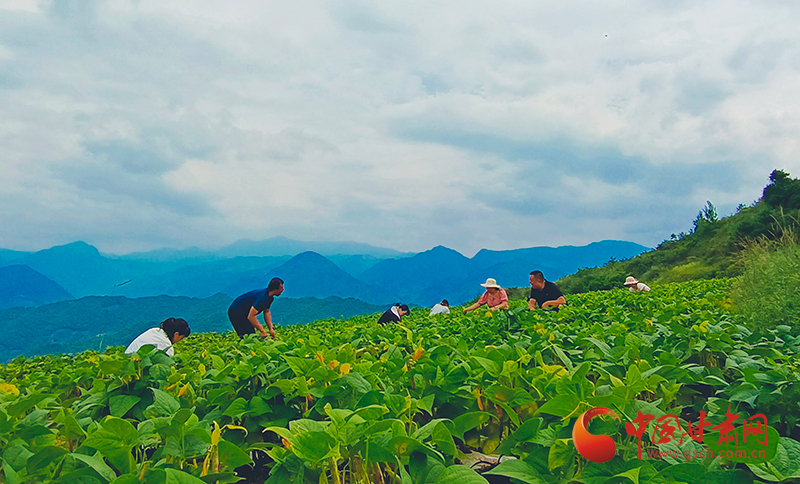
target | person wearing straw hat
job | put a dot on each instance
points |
(635, 286)
(495, 297)
(544, 293)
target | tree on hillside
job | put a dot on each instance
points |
(782, 191)
(712, 248)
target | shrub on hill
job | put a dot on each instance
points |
(768, 291)
(712, 247)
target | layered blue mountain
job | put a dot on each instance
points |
(443, 273)
(201, 279)
(556, 262)
(311, 275)
(425, 278)
(7, 256)
(81, 269)
(21, 286)
(284, 246)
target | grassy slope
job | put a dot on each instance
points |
(711, 249)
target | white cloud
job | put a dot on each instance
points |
(407, 124)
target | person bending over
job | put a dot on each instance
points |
(544, 293)
(394, 314)
(494, 298)
(169, 332)
(635, 286)
(245, 308)
(441, 308)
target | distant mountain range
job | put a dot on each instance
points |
(24, 287)
(376, 276)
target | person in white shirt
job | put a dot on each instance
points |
(441, 308)
(636, 286)
(167, 334)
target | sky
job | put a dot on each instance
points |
(135, 125)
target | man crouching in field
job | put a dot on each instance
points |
(544, 293)
(245, 308)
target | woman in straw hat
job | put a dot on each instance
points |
(495, 297)
(636, 286)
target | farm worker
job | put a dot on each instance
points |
(495, 297)
(544, 293)
(167, 334)
(394, 314)
(636, 286)
(441, 308)
(245, 308)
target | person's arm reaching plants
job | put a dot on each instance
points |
(254, 321)
(555, 303)
(268, 320)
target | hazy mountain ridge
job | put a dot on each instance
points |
(424, 278)
(21, 286)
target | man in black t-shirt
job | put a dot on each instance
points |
(544, 293)
(245, 308)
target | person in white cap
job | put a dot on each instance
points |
(495, 297)
(636, 286)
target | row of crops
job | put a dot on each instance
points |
(354, 402)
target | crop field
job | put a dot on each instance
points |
(349, 401)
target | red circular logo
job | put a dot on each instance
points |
(596, 448)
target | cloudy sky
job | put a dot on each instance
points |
(134, 125)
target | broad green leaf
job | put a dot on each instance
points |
(11, 475)
(785, 464)
(561, 454)
(127, 479)
(175, 476)
(634, 382)
(357, 381)
(221, 478)
(563, 357)
(561, 405)
(405, 446)
(96, 462)
(45, 457)
(232, 456)
(519, 470)
(315, 446)
(426, 430)
(164, 404)
(371, 412)
(750, 452)
(237, 408)
(469, 421)
(461, 475)
(423, 468)
(490, 366)
(120, 404)
(300, 366)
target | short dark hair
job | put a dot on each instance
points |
(537, 275)
(404, 307)
(274, 284)
(175, 325)
(445, 303)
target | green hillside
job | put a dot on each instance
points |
(712, 247)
